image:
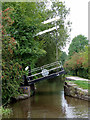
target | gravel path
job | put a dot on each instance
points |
(76, 78)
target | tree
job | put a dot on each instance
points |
(78, 44)
(57, 9)
(78, 64)
(63, 57)
(84, 54)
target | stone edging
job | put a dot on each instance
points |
(72, 90)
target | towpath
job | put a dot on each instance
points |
(76, 78)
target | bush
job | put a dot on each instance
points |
(78, 64)
(11, 69)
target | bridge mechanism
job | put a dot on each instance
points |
(44, 72)
(47, 71)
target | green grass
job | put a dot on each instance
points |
(81, 84)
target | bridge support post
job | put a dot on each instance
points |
(32, 86)
(25, 80)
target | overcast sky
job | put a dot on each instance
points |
(78, 16)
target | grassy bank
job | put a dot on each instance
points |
(81, 84)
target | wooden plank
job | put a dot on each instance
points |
(47, 77)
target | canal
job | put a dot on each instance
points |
(50, 102)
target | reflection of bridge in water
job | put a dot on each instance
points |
(44, 72)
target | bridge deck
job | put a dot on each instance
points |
(47, 77)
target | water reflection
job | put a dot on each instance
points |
(77, 108)
(50, 102)
(68, 112)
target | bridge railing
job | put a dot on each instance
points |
(47, 66)
(44, 72)
(41, 71)
(50, 68)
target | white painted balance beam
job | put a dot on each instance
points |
(45, 31)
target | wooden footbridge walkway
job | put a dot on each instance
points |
(44, 72)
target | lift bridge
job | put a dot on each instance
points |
(47, 71)
(44, 72)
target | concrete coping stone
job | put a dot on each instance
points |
(21, 97)
(74, 85)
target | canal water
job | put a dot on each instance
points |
(50, 102)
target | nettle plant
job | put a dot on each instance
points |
(11, 69)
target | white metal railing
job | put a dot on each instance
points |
(46, 66)
(41, 72)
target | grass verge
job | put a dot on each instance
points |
(81, 84)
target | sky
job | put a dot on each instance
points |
(79, 18)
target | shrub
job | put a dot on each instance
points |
(11, 69)
(78, 64)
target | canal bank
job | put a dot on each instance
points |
(77, 87)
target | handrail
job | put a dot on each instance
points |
(47, 77)
(41, 72)
(45, 66)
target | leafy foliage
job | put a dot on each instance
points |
(78, 44)
(11, 70)
(78, 64)
(63, 57)
(6, 112)
(27, 19)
